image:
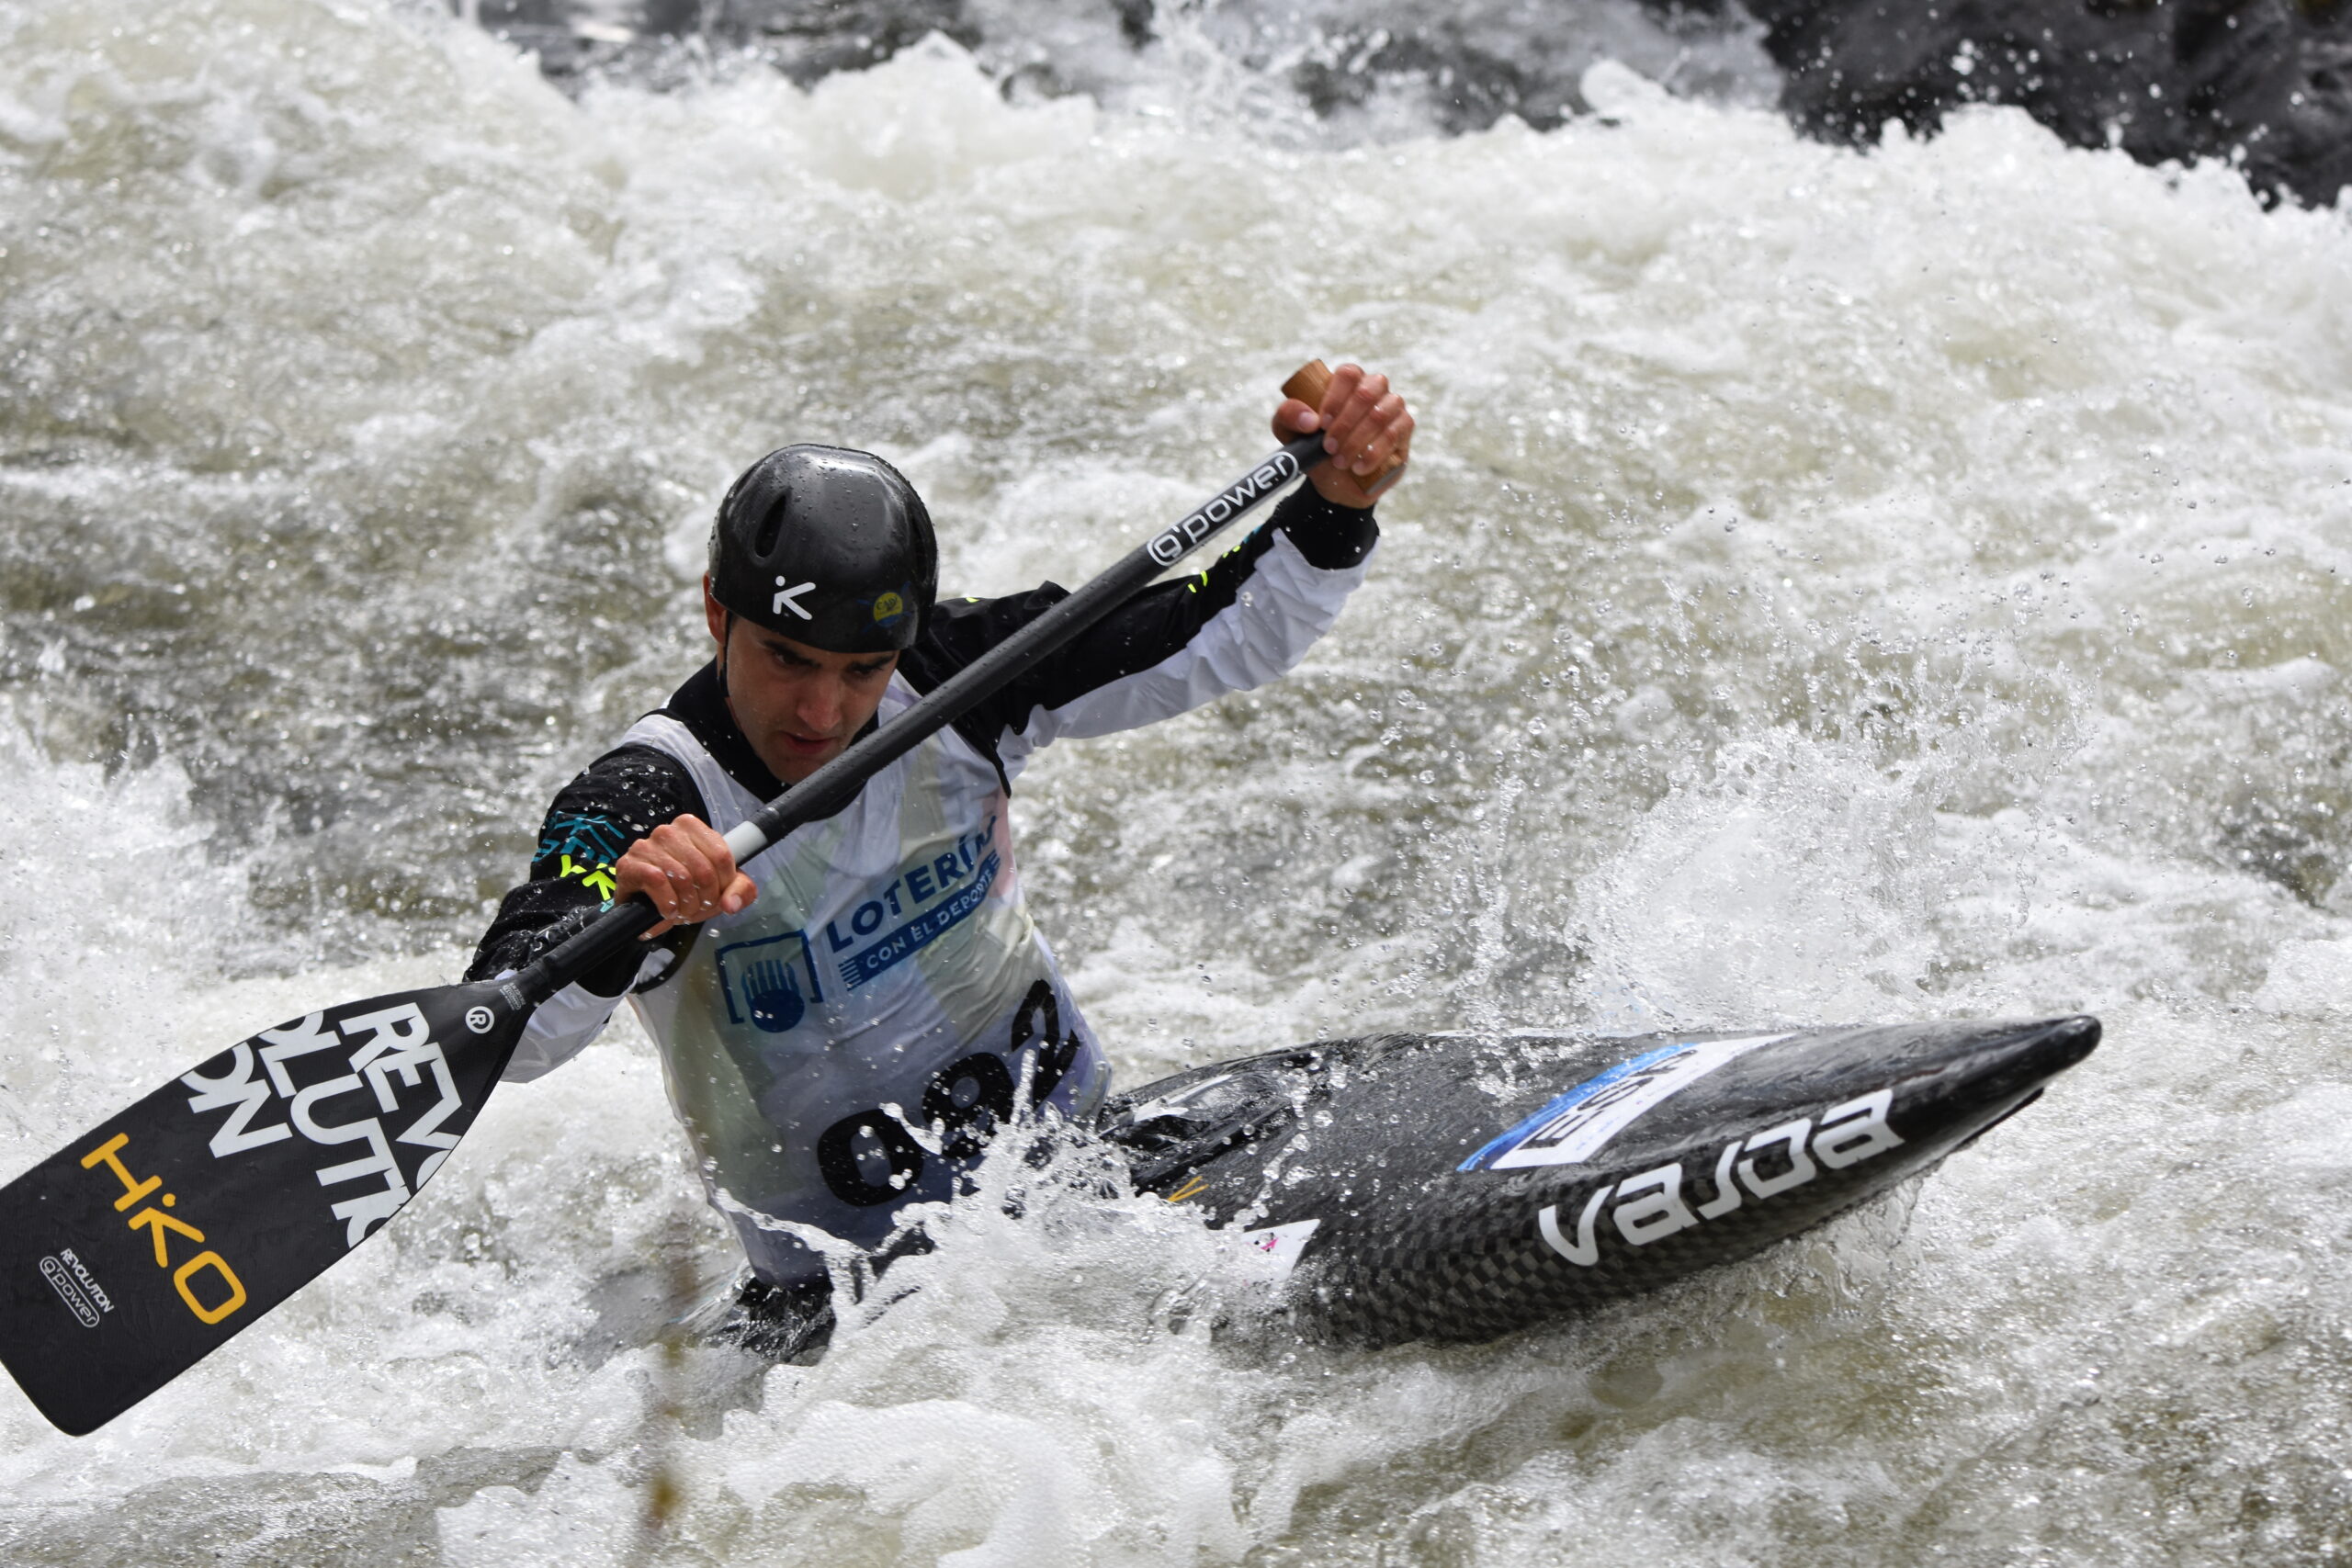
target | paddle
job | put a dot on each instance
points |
(142, 1246)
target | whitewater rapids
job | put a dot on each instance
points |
(1831, 587)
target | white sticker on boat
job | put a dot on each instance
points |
(1181, 1099)
(1282, 1243)
(1578, 1124)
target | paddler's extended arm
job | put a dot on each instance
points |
(1248, 618)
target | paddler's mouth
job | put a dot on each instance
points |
(795, 756)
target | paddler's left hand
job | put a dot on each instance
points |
(1362, 422)
(685, 870)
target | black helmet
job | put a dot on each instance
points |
(828, 546)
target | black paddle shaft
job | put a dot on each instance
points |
(831, 786)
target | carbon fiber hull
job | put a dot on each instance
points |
(1459, 1187)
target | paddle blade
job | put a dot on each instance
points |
(136, 1250)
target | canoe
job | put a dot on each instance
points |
(1457, 1186)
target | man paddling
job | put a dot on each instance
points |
(846, 1018)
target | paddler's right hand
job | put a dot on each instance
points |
(1363, 423)
(686, 870)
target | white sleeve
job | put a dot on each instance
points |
(566, 1022)
(559, 1031)
(1283, 606)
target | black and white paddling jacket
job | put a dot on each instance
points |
(837, 1050)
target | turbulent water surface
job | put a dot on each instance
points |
(1831, 587)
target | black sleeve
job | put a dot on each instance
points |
(1150, 626)
(1332, 537)
(616, 800)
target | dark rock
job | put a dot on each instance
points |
(2264, 84)
(1472, 61)
(810, 39)
(1476, 63)
(806, 39)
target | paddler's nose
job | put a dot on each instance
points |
(819, 708)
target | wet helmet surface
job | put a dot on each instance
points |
(829, 546)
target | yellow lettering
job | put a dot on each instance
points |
(158, 1222)
(215, 1262)
(110, 1152)
(597, 879)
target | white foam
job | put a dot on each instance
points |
(1935, 412)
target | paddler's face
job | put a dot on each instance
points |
(799, 707)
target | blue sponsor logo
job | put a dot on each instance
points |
(770, 982)
(921, 880)
(923, 931)
(1561, 1106)
(1575, 1126)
